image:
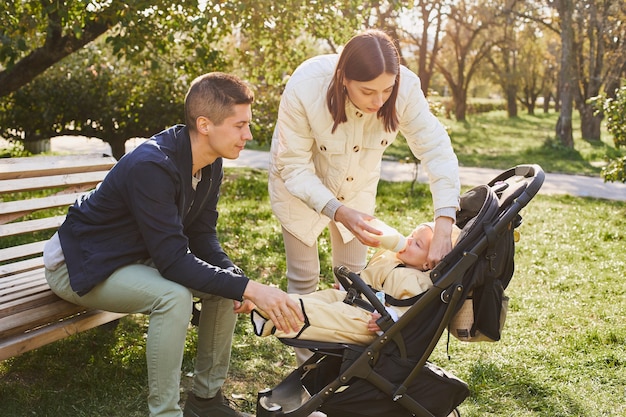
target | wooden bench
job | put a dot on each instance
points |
(34, 195)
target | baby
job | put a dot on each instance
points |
(327, 318)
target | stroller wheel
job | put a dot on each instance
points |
(455, 413)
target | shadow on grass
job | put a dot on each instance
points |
(559, 159)
(514, 388)
(100, 372)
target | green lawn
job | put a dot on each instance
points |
(492, 140)
(563, 351)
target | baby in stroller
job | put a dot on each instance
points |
(395, 276)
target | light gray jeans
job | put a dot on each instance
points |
(139, 288)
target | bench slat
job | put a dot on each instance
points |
(19, 344)
(38, 316)
(28, 206)
(20, 266)
(41, 166)
(22, 288)
(35, 296)
(30, 226)
(6, 283)
(16, 252)
(89, 179)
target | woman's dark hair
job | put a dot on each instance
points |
(365, 57)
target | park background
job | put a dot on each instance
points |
(514, 82)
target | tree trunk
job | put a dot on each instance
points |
(589, 123)
(460, 105)
(37, 146)
(568, 74)
(546, 102)
(118, 148)
(511, 101)
(564, 130)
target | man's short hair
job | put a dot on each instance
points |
(213, 95)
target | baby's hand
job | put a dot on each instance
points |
(245, 306)
(371, 325)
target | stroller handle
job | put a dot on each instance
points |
(348, 278)
(532, 171)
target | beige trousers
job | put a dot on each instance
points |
(303, 265)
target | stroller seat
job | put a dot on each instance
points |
(392, 376)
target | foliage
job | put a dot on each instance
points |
(14, 150)
(562, 353)
(94, 95)
(269, 39)
(264, 41)
(614, 111)
(465, 46)
(150, 51)
(36, 35)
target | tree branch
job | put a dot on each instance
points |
(55, 48)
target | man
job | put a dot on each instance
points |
(145, 241)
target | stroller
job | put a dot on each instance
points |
(392, 376)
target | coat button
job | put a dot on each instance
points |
(322, 148)
(384, 142)
(356, 148)
(350, 179)
(359, 114)
(341, 198)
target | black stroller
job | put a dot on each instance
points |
(392, 376)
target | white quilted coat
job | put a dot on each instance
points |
(309, 165)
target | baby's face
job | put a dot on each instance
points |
(416, 251)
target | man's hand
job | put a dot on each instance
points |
(243, 307)
(284, 311)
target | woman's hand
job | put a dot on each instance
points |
(357, 222)
(441, 244)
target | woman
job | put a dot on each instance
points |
(337, 116)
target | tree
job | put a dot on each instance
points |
(269, 39)
(91, 95)
(429, 18)
(593, 58)
(505, 55)
(36, 35)
(599, 31)
(465, 45)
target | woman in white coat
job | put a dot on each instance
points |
(337, 116)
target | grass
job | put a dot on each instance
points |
(492, 140)
(563, 351)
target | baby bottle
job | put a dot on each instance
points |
(390, 239)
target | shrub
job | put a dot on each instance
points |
(614, 111)
(91, 95)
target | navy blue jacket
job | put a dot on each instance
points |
(146, 208)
